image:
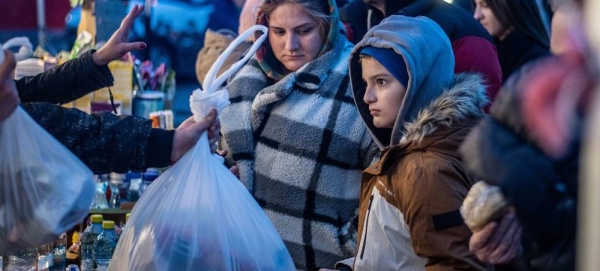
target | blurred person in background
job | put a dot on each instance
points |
(530, 146)
(518, 30)
(294, 132)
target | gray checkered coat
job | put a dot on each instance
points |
(301, 145)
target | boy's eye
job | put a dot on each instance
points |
(381, 82)
(278, 32)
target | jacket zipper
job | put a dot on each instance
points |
(364, 243)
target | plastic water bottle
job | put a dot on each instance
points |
(44, 255)
(134, 186)
(24, 259)
(116, 182)
(100, 201)
(147, 178)
(59, 255)
(122, 227)
(87, 243)
(105, 245)
(72, 267)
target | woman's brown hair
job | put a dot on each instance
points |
(317, 9)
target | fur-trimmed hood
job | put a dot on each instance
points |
(465, 100)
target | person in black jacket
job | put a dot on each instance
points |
(529, 147)
(517, 28)
(103, 141)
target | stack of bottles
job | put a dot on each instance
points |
(114, 189)
(98, 243)
(162, 119)
(48, 257)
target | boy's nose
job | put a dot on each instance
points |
(369, 97)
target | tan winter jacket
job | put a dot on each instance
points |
(409, 218)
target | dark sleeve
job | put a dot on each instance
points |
(65, 83)
(500, 157)
(103, 141)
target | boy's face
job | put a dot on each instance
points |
(383, 94)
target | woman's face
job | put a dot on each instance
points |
(485, 16)
(294, 36)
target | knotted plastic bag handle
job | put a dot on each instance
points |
(211, 82)
(24, 52)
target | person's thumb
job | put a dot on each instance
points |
(134, 46)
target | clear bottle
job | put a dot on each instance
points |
(24, 259)
(44, 256)
(147, 178)
(134, 186)
(59, 255)
(105, 245)
(116, 182)
(100, 201)
(87, 243)
(123, 226)
(1, 262)
(72, 267)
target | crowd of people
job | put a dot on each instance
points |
(360, 127)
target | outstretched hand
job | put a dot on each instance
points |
(117, 46)
(9, 97)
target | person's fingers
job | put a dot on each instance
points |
(133, 46)
(508, 244)
(504, 246)
(500, 233)
(222, 153)
(206, 122)
(513, 252)
(212, 141)
(8, 66)
(235, 170)
(127, 22)
(480, 238)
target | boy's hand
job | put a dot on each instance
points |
(9, 97)
(117, 46)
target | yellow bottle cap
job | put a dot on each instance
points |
(76, 236)
(97, 218)
(127, 217)
(108, 225)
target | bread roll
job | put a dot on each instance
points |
(484, 203)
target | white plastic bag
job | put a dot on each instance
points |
(198, 215)
(44, 189)
(25, 49)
